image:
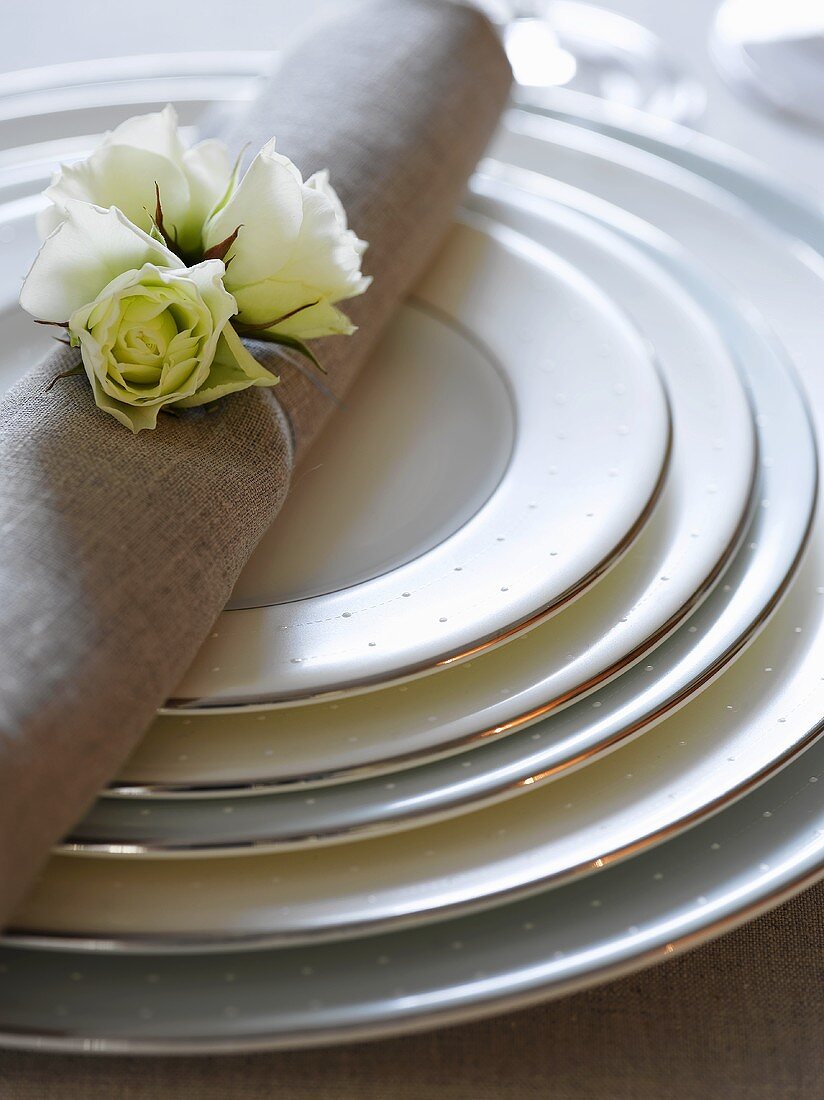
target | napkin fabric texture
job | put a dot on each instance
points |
(117, 552)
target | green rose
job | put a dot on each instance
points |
(151, 332)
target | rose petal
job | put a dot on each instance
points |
(325, 255)
(233, 368)
(135, 417)
(268, 206)
(208, 168)
(89, 249)
(125, 177)
(272, 298)
(157, 132)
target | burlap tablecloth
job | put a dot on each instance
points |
(738, 1019)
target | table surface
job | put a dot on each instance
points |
(737, 1018)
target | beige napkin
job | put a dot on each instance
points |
(117, 552)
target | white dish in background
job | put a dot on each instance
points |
(773, 56)
(599, 54)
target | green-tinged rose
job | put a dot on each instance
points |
(294, 257)
(151, 332)
(150, 339)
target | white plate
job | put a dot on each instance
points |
(679, 554)
(468, 500)
(566, 451)
(683, 664)
(739, 731)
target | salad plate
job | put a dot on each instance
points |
(567, 452)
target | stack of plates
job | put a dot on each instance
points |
(483, 721)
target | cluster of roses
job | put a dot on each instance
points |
(157, 259)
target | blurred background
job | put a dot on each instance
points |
(684, 29)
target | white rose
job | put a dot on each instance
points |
(294, 257)
(122, 172)
(151, 332)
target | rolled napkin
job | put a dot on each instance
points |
(120, 550)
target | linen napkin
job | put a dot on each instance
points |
(117, 552)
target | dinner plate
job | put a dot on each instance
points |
(727, 870)
(459, 461)
(680, 553)
(686, 662)
(738, 732)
